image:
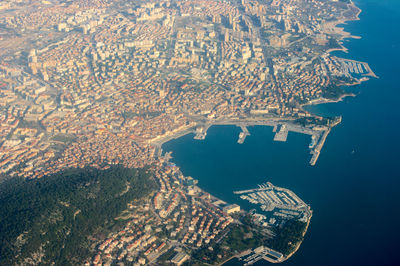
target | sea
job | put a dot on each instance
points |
(354, 189)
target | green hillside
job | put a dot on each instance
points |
(53, 219)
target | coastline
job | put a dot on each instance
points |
(299, 244)
(312, 252)
(352, 4)
(275, 121)
(285, 258)
(325, 100)
(317, 132)
(160, 140)
(236, 256)
(334, 27)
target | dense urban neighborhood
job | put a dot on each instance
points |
(103, 84)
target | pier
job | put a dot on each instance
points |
(317, 150)
(242, 136)
(201, 132)
(281, 133)
(280, 127)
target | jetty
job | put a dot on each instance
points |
(280, 127)
(317, 149)
(242, 136)
(201, 132)
(281, 133)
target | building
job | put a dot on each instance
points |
(231, 209)
(180, 258)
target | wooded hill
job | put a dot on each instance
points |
(52, 219)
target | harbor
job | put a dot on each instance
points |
(281, 129)
(277, 204)
(344, 180)
(350, 67)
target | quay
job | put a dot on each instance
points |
(281, 134)
(280, 127)
(317, 150)
(262, 253)
(242, 136)
(201, 132)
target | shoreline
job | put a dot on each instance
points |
(325, 100)
(316, 131)
(341, 31)
(160, 140)
(270, 122)
(299, 244)
(285, 258)
(236, 256)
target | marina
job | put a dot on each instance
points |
(355, 67)
(277, 204)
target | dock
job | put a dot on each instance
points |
(280, 128)
(281, 133)
(201, 132)
(242, 136)
(262, 253)
(317, 150)
(355, 67)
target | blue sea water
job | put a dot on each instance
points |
(354, 190)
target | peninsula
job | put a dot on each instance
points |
(280, 208)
